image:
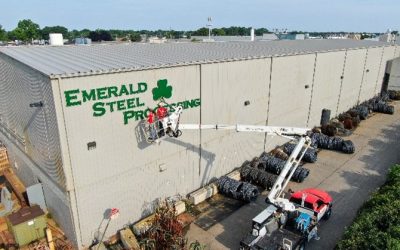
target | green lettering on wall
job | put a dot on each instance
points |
(138, 103)
(147, 112)
(111, 105)
(113, 91)
(98, 109)
(142, 87)
(139, 115)
(123, 91)
(191, 104)
(102, 93)
(70, 96)
(76, 97)
(91, 96)
(130, 103)
(121, 105)
(128, 115)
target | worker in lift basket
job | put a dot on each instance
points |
(162, 113)
(280, 217)
(152, 126)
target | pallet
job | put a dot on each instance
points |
(4, 162)
(17, 186)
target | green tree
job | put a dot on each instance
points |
(100, 35)
(135, 37)
(3, 34)
(237, 31)
(218, 32)
(84, 33)
(200, 32)
(26, 30)
(260, 31)
(73, 34)
(54, 29)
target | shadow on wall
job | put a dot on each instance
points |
(140, 136)
(102, 227)
(208, 156)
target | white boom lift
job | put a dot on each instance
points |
(170, 126)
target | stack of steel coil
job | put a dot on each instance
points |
(237, 189)
(332, 143)
(309, 156)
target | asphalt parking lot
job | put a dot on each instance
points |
(349, 179)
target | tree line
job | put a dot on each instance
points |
(27, 31)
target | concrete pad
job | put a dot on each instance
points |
(350, 179)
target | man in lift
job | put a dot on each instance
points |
(162, 113)
(152, 126)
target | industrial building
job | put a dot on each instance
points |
(70, 116)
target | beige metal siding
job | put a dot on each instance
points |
(352, 78)
(371, 72)
(394, 80)
(59, 208)
(327, 84)
(34, 129)
(397, 51)
(225, 87)
(123, 170)
(290, 100)
(388, 54)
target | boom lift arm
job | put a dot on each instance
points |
(172, 127)
(291, 164)
(288, 132)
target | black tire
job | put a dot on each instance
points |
(328, 214)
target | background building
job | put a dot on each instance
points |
(70, 115)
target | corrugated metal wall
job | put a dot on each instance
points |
(352, 79)
(291, 87)
(371, 72)
(394, 80)
(34, 129)
(124, 171)
(225, 87)
(327, 85)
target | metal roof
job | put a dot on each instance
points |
(25, 214)
(71, 61)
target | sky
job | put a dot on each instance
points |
(301, 15)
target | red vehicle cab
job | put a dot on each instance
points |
(318, 201)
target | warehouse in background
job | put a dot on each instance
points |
(70, 116)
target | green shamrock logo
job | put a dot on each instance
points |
(162, 90)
